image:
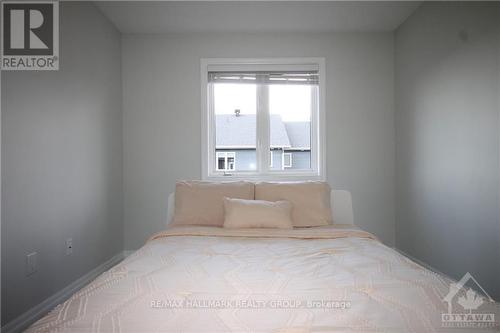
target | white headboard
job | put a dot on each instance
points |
(341, 202)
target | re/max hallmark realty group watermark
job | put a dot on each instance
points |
(30, 35)
(249, 304)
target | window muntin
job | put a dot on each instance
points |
(268, 84)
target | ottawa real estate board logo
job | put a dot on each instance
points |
(30, 35)
(466, 307)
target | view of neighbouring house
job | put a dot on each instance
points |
(236, 142)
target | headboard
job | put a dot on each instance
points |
(341, 202)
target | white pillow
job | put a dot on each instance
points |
(240, 213)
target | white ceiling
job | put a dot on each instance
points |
(258, 16)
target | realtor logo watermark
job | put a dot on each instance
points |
(30, 35)
(464, 306)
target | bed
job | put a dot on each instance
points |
(206, 279)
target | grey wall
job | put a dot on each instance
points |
(62, 162)
(447, 120)
(300, 159)
(277, 159)
(162, 120)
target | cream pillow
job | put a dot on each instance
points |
(201, 203)
(257, 214)
(310, 200)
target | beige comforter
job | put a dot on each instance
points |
(203, 279)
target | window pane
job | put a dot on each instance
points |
(290, 109)
(235, 125)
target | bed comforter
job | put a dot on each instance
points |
(205, 279)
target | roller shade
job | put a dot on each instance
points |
(289, 77)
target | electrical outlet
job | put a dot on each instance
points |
(31, 263)
(69, 246)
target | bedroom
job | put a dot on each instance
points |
(406, 119)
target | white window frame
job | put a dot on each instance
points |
(271, 159)
(226, 155)
(318, 160)
(283, 166)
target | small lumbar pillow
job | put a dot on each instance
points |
(310, 200)
(257, 214)
(202, 203)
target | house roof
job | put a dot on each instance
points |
(299, 133)
(239, 132)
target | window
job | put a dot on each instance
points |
(263, 110)
(226, 161)
(287, 160)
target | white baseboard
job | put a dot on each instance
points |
(22, 322)
(436, 271)
(423, 264)
(127, 253)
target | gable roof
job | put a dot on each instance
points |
(239, 132)
(299, 134)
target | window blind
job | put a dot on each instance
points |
(289, 77)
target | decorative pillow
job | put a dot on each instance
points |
(310, 200)
(257, 214)
(201, 203)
